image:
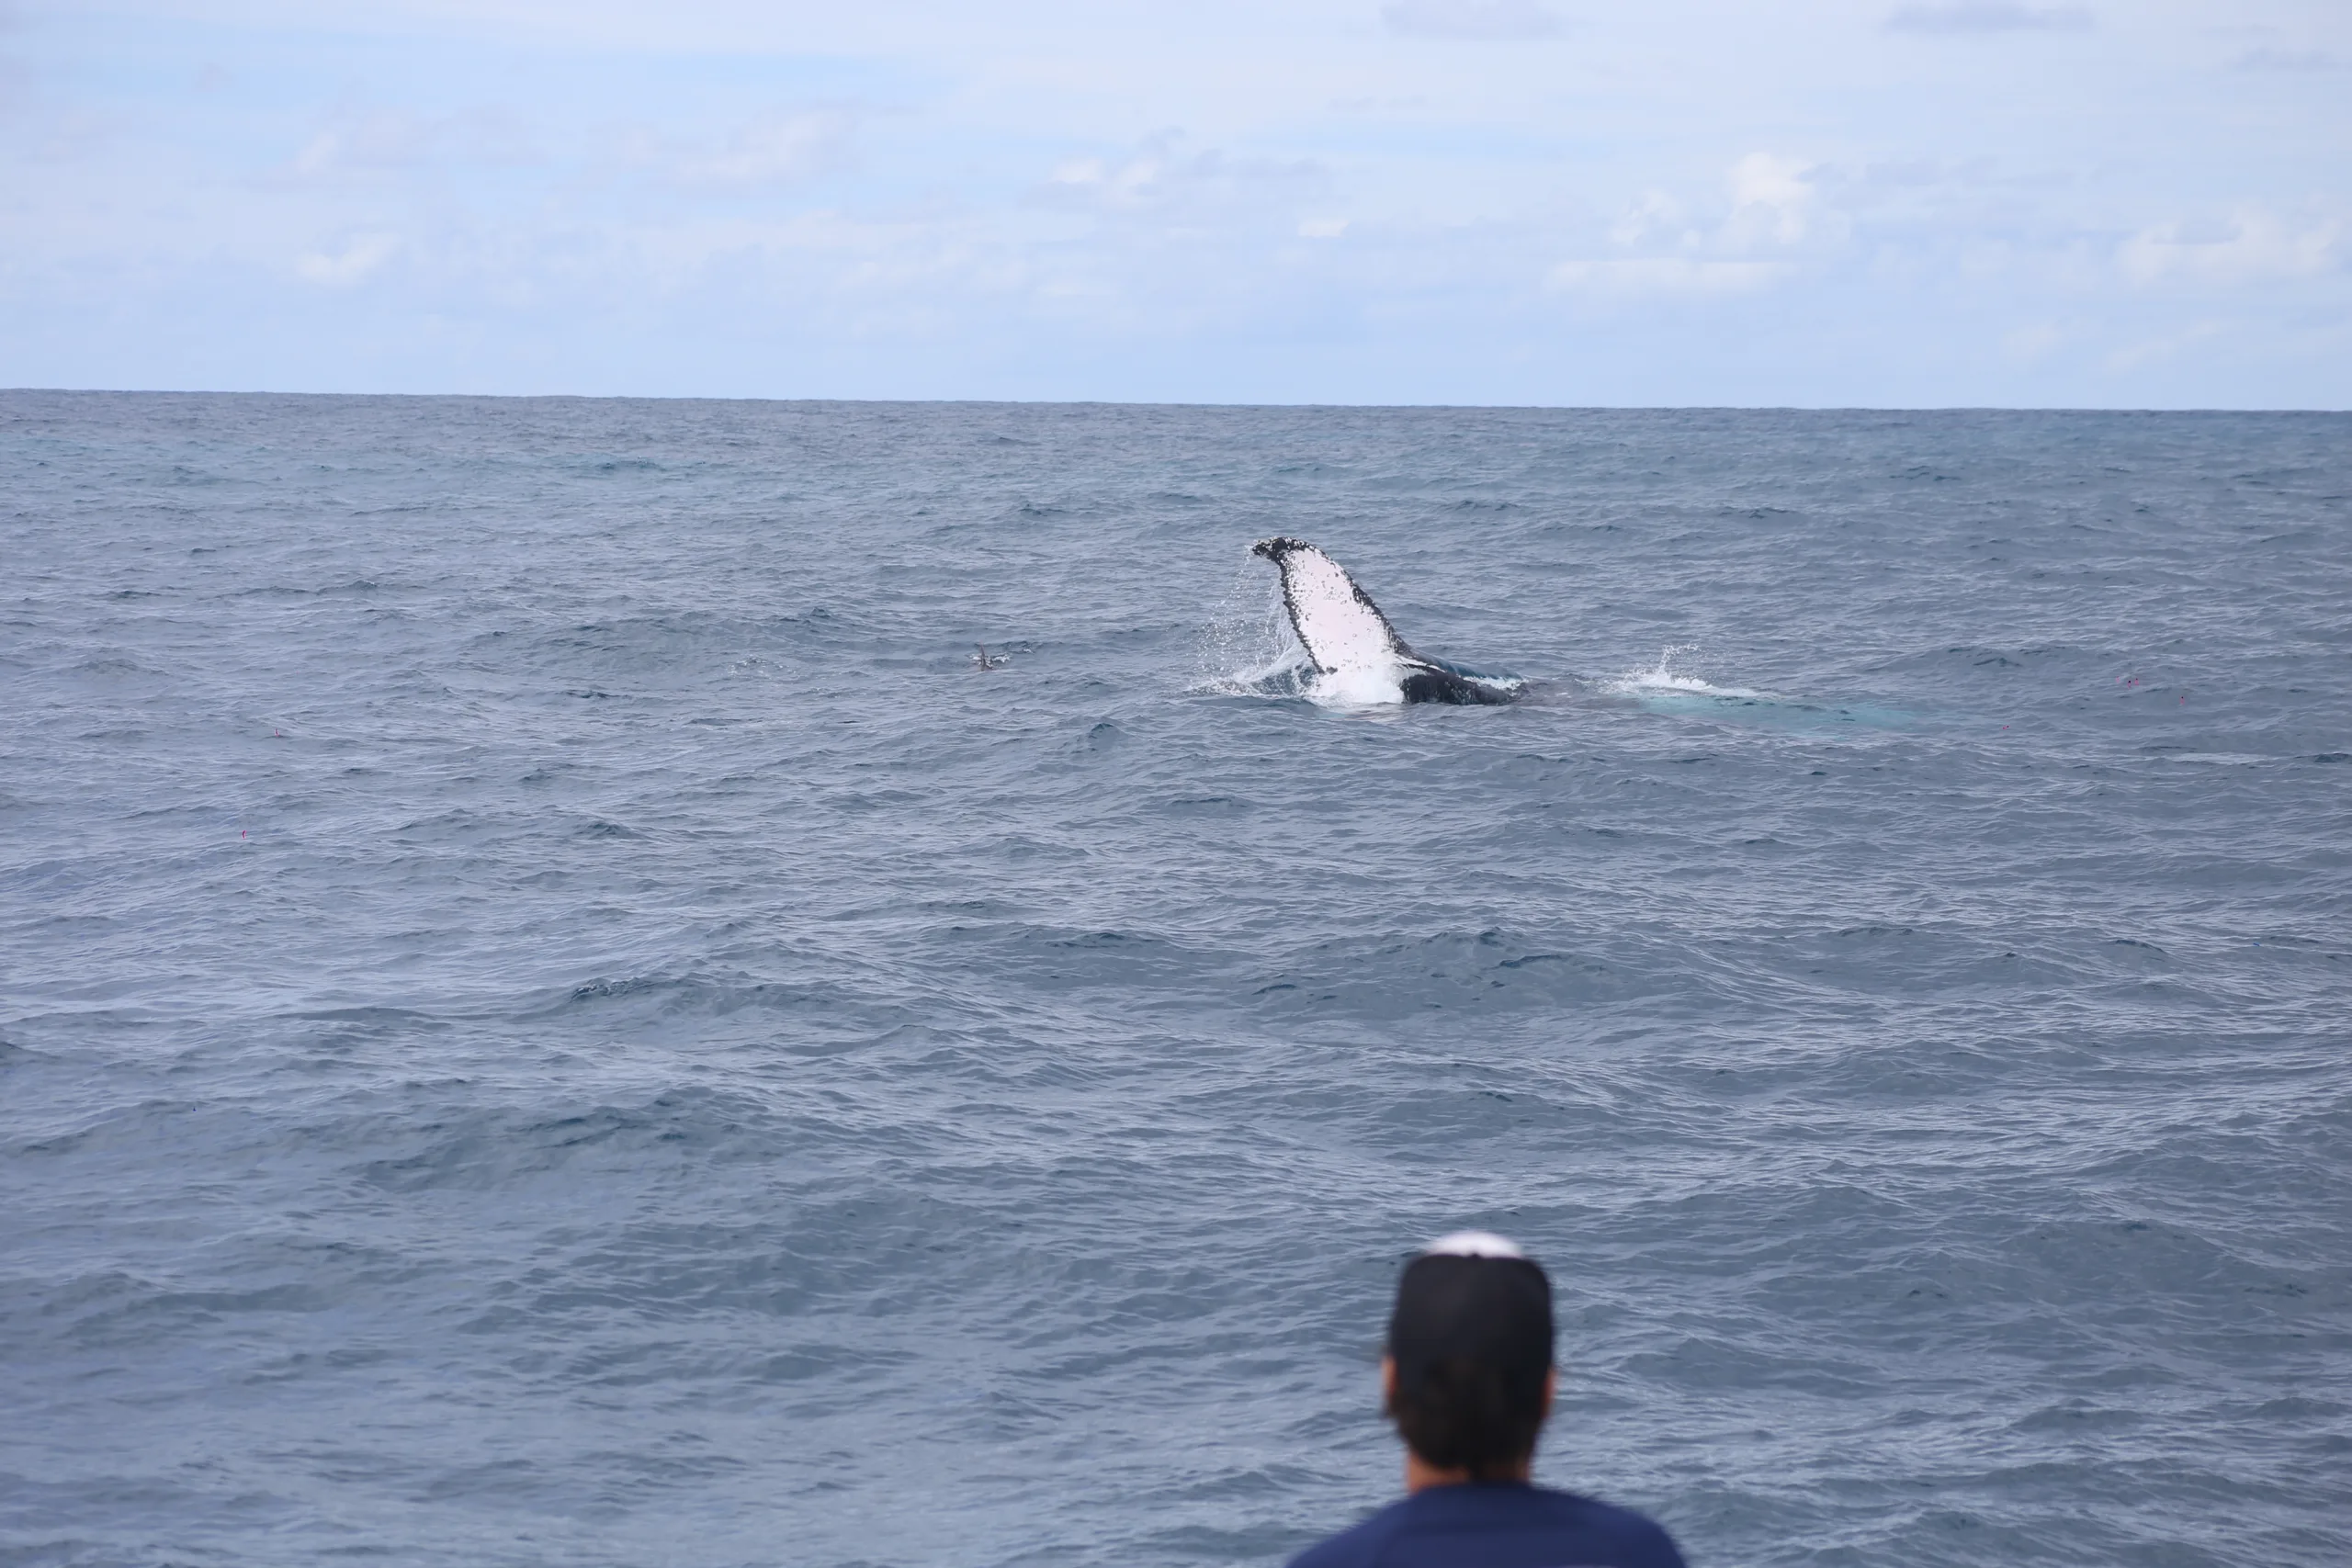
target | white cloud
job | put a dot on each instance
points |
(1987, 16)
(1771, 201)
(2270, 58)
(1656, 218)
(352, 264)
(391, 141)
(1162, 180)
(1492, 20)
(2032, 343)
(383, 141)
(2250, 247)
(778, 150)
(1767, 211)
(2154, 350)
(1686, 276)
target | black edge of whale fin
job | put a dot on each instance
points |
(1290, 608)
(1395, 644)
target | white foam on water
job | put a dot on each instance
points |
(1360, 686)
(1663, 679)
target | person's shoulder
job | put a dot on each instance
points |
(1591, 1532)
(1356, 1546)
(1635, 1540)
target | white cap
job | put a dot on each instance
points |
(1472, 1243)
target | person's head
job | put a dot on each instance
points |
(1469, 1363)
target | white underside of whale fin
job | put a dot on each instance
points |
(1343, 631)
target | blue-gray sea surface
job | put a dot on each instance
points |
(554, 1014)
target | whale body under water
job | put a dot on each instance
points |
(1359, 654)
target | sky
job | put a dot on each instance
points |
(1888, 203)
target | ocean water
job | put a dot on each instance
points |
(554, 1014)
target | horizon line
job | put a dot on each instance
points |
(1181, 403)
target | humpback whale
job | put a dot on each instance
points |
(1351, 643)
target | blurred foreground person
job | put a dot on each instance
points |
(1469, 1380)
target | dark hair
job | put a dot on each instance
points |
(1466, 1414)
(1471, 1337)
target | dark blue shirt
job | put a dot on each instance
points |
(1496, 1524)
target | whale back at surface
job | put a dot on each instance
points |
(1340, 627)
